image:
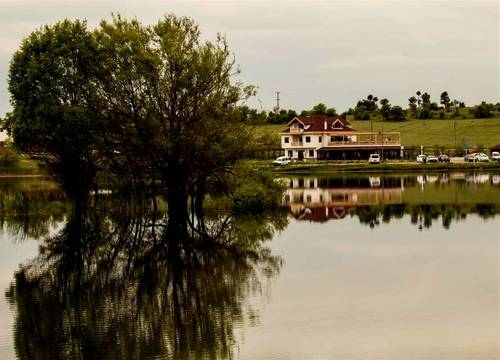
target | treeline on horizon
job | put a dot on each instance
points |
(420, 106)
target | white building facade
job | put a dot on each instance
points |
(323, 137)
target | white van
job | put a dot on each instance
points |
(374, 159)
(282, 160)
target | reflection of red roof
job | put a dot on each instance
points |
(321, 214)
(317, 123)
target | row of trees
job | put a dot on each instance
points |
(146, 109)
(420, 106)
(253, 116)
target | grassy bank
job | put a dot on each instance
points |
(327, 168)
(481, 132)
(24, 167)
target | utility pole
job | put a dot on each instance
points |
(455, 131)
(383, 140)
(371, 127)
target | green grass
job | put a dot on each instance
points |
(481, 132)
(328, 168)
(24, 167)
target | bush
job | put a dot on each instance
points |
(396, 113)
(257, 191)
(8, 157)
(483, 110)
(361, 114)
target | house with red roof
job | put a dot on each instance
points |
(328, 137)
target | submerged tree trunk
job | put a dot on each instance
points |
(177, 198)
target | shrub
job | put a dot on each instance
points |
(257, 191)
(8, 157)
(483, 110)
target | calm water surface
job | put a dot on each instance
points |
(354, 267)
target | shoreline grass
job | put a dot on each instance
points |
(327, 168)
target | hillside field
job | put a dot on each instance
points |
(480, 132)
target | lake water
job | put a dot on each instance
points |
(354, 267)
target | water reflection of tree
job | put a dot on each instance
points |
(422, 215)
(106, 289)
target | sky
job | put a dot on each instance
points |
(335, 52)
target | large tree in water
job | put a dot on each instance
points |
(168, 96)
(146, 104)
(52, 84)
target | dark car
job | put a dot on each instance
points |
(443, 158)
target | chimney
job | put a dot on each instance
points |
(326, 125)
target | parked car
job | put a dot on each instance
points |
(421, 158)
(481, 157)
(282, 160)
(443, 158)
(432, 159)
(495, 156)
(470, 157)
(374, 159)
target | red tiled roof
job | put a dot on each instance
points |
(317, 123)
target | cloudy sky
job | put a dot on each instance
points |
(334, 52)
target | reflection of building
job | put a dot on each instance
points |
(317, 199)
(324, 137)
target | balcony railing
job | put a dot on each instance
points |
(297, 143)
(365, 142)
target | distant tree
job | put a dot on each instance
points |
(445, 100)
(396, 113)
(283, 117)
(331, 112)
(483, 110)
(425, 112)
(385, 108)
(365, 108)
(419, 101)
(412, 102)
(360, 113)
(319, 109)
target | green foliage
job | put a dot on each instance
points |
(320, 109)
(52, 81)
(445, 100)
(360, 113)
(395, 113)
(483, 110)
(283, 117)
(257, 191)
(365, 108)
(8, 157)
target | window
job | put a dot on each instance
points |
(336, 138)
(290, 153)
(308, 139)
(319, 139)
(308, 198)
(287, 140)
(311, 153)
